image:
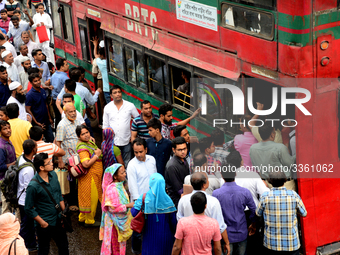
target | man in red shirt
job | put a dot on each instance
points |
(4, 21)
(192, 235)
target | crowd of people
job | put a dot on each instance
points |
(198, 196)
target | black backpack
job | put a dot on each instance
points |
(9, 185)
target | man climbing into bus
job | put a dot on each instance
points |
(165, 116)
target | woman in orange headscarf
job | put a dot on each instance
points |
(9, 231)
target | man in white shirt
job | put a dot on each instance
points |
(25, 37)
(117, 115)
(18, 96)
(23, 76)
(27, 230)
(139, 170)
(43, 19)
(7, 45)
(12, 70)
(23, 53)
(200, 182)
(247, 179)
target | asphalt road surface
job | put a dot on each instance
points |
(85, 241)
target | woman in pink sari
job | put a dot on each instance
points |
(9, 233)
(116, 218)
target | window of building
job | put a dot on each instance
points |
(248, 20)
(67, 24)
(158, 78)
(84, 39)
(115, 52)
(56, 18)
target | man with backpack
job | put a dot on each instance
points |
(25, 174)
(40, 207)
(7, 157)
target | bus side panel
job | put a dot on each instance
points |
(295, 7)
(325, 128)
(295, 61)
(320, 5)
(309, 239)
(162, 15)
(249, 48)
(116, 6)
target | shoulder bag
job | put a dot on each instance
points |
(65, 214)
(137, 223)
(15, 246)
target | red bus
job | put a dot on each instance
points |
(277, 43)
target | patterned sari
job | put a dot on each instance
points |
(116, 218)
(92, 180)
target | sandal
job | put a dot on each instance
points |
(74, 208)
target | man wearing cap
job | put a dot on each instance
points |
(23, 53)
(12, 70)
(18, 97)
(23, 76)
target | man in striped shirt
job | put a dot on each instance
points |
(139, 125)
(37, 134)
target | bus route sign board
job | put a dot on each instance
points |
(198, 14)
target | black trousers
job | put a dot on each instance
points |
(58, 234)
(272, 252)
(57, 114)
(27, 230)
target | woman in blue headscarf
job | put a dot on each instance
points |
(160, 223)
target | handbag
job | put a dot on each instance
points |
(65, 214)
(137, 223)
(15, 246)
(75, 168)
(42, 34)
(62, 178)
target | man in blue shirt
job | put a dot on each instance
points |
(38, 57)
(5, 94)
(139, 124)
(36, 106)
(58, 81)
(16, 31)
(38, 206)
(234, 200)
(157, 146)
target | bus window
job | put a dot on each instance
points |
(205, 86)
(56, 18)
(180, 80)
(68, 30)
(130, 65)
(83, 39)
(250, 21)
(158, 78)
(140, 71)
(116, 58)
